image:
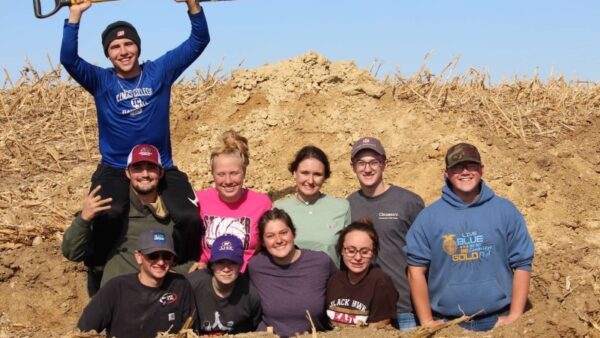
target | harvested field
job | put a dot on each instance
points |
(539, 139)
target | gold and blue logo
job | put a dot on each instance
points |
(466, 246)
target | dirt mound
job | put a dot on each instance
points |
(540, 141)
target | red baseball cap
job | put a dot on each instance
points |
(144, 153)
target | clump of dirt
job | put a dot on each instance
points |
(540, 142)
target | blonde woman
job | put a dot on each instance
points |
(228, 207)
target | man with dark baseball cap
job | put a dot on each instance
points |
(147, 302)
(367, 143)
(155, 240)
(133, 105)
(146, 210)
(392, 210)
(462, 152)
(469, 252)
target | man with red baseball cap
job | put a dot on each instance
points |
(146, 210)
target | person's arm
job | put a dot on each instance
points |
(382, 308)
(93, 204)
(417, 281)
(332, 267)
(519, 298)
(256, 307)
(204, 257)
(77, 238)
(80, 70)
(348, 216)
(520, 257)
(97, 315)
(380, 324)
(176, 61)
(188, 302)
(193, 6)
(76, 241)
(184, 268)
(76, 10)
(417, 207)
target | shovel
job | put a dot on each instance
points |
(37, 6)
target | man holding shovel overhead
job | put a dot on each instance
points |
(132, 104)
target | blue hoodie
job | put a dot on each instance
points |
(471, 251)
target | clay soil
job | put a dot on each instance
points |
(540, 142)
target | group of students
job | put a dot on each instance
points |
(158, 253)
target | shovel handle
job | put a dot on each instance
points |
(37, 8)
(58, 4)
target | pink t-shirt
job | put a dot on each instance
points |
(239, 219)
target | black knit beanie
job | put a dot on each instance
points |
(120, 30)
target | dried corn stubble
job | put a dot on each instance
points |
(48, 141)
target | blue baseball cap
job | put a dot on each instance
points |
(227, 247)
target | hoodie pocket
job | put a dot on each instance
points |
(469, 298)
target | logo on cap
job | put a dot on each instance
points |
(121, 33)
(462, 152)
(367, 143)
(226, 246)
(153, 240)
(159, 237)
(145, 151)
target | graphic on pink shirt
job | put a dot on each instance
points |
(218, 226)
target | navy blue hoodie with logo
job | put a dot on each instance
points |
(471, 251)
(134, 111)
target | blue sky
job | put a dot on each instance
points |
(505, 38)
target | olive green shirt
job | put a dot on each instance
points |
(76, 243)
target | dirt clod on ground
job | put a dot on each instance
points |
(540, 143)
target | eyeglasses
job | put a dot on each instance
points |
(166, 256)
(459, 168)
(351, 251)
(374, 164)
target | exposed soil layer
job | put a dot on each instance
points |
(540, 143)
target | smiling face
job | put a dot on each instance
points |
(123, 54)
(229, 174)
(357, 252)
(278, 239)
(154, 269)
(368, 167)
(309, 176)
(225, 271)
(144, 177)
(465, 179)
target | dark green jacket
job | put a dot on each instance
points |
(77, 241)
